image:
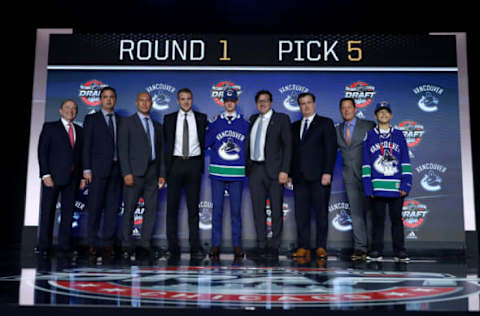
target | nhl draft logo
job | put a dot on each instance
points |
(252, 286)
(413, 213)
(342, 220)
(205, 209)
(412, 131)
(431, 179)
(268, 210)
(429, 97)
(218, 89)
(90, 92)
(361, 92)
(386, 164)
(162, 95)
(290, 94)
(229, 150)
(138, 218)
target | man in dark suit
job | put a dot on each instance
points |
(314, 153)
(185, 151)
(140, 151)
(102, 172)
(350, 136)
(59, 157)
(268, 155)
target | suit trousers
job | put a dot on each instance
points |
(311, 195)
(47, 217)
(260, 185)
(104, 194)
(147, 187)
(395, 211)
(360, 209)
(187, 175)
(235, 189)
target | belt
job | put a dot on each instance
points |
(187, 158)
(258, 162)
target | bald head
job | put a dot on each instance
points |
(144, 102)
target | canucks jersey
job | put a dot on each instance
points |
(226, 138)
(386, 167)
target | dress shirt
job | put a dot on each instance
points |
(65, 124)
(352, 127)
(266, 120)
(193, 142)
(152, 131)
(310, 119)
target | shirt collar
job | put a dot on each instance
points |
(309, 118)
(65, 122)
(182, 112)
(267, 115)
(352, 122)
(105, 113)
(234, 115)
(142, 116)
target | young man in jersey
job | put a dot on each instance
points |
(387, 179)
(226, 136)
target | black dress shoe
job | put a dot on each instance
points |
(257, 252)
(197, 253)
(272, 253)
(214, 253)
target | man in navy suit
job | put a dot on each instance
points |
(59, 157)
(101, 169)
(314, 152)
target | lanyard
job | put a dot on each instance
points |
(390, 143)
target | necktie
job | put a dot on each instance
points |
(70, 135)
(258, 137)
(112, 132)
(348, 135)
(149, 135)
(185, 140)
(305, 128)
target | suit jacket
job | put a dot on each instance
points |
(352, 154)
(98, 147)
(55, 154)
(278, 145)
(134, 151)
(315, 154)
(170, 128)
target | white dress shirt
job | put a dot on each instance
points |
(310, 119)
(65, 124)
(193, 142)
(265, 120)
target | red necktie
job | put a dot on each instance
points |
(70, 135)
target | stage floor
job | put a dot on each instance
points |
(62, 284)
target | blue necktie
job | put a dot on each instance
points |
(305, 128)
(258, 137)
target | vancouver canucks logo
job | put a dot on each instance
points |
(431, 181)
(229, 150)
(162, 94)
(290, 93)
(386, 164)
(429, 97)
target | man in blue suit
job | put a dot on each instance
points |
(101, 169)
(59, 157)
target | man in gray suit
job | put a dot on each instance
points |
(350, 136)
(140, 151)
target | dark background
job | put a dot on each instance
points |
(21, 19)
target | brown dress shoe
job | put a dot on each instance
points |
(301, 252)
(238, 252)
(214, 252)
(321, 253)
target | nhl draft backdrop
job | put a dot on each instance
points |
(417, 75)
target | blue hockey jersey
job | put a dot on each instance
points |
(386, 167)
(226, 139)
